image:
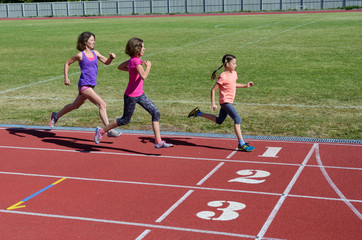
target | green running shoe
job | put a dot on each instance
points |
(194, 112)
(246, 148)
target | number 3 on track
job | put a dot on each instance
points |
(226, 213)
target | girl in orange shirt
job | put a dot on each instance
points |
(227, 85)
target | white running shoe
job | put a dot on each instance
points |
(113, 133)
(98, 136)
(163, 144)
(53, 120)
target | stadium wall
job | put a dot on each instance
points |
(140, 7)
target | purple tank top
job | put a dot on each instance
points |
(88, 71)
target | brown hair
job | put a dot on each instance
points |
(133, 47)
(225, 59)
(82, 40)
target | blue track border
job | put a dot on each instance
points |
(213, 135)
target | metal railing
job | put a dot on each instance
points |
(127, 7)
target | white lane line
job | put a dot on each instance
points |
(324, 198)
(145, 155)
(209, 39)
(144, 234)
(48, 80)
(285, 194)
(35, 83)
(173, 207)
(280, 33)
(27, 98)
(223, 137)
(154, 226)
(335, 188)
(218, 26)
(174, 157)
(198, 42)
(148, 55)
(210, 173)
(140, 183)
(168, 185)
(232, 153)
(170, 210)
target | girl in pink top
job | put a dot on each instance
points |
(227, 85)
(134, 94)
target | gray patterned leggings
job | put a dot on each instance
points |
(130, 105)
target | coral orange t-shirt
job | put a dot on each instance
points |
(227, 87)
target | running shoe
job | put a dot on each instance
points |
(194, 112)
(113, 133)
(246, 148)
(98, 136)
(53, 120)
(163, 144)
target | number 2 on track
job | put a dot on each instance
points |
(251, 176)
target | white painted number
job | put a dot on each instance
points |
(228, 212)
(271, 152)
(251, 176)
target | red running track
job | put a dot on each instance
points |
(60, 185)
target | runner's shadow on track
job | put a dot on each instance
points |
(179, 142)
(50, 137)
(22, 132)
(44, 134)
(90, 148)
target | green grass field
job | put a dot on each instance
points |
(307, 71)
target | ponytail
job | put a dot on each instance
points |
(213, 75)
(225, 59)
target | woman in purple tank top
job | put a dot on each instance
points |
(87, 58)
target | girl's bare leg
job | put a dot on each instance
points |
(238, 131)
(98, 101)
(209, 116)
(79, 100)
(156, 131)
(110, 126)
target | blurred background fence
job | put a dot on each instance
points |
(129, 7)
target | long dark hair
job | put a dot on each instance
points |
(82, 40)
(225, 59)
